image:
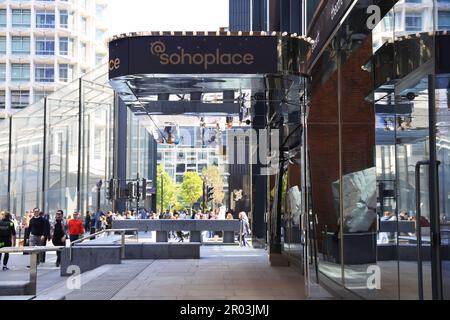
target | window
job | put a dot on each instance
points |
(45, 19)
(2, 72)
(65, 72)
(2, 45)
(413, 22)
(3, 18)
(44, 73)
(444, 20)
(83, 51)
(21, 18)
(64, 19)
(99, 58)
(20, 72)
(19, 99)
(99, 35)
(66, 46)
(2, 99)
(20, 45)
(45, 46)
(99, 11)
(83, 25)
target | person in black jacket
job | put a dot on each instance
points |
(59, 234)
(7, 236)
(38, 231)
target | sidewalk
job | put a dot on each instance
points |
(48, 273)
(223, 272)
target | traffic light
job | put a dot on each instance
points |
(111, 189)
(147, 188)
(132, 192)
(209, 193)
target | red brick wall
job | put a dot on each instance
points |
(358, 133)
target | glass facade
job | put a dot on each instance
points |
(380, 99)
(55, 155)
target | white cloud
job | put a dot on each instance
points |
(166, 15)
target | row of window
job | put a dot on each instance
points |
(21, 98)
(42, 72)
(84, 3)
(21, 18)
(414, 21)
(44, 46)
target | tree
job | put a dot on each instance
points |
(169, 189)
(191, 189)
(214, 177)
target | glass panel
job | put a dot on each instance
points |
(443, 153)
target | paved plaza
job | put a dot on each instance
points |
(223, 272)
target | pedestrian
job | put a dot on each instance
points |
(7, 236)
(59, 234)
(25, 225)
(38, 232)
(109, 220)
(87, 221)
(245, 227)
(75, 226)
(47, 237)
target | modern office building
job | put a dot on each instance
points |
(194, 155)
(266, 15)
(45, 45)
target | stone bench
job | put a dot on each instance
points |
(195, 227)
(89, 257)
(14, 288)
(142, 251)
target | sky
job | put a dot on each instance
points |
(166, 15)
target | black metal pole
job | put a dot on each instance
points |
(138, 194)
(162, 191)
(80, 142)
(9, 162)
(44, 158)
(436, 267)
(204, 194)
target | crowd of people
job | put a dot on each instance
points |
(39, 228)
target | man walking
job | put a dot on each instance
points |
(38, 231)
(59, 234)
(76, 228)
(7, 236)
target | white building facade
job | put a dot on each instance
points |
(46, 44)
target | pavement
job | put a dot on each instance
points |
(223, 273)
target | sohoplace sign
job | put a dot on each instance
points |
(205, 54)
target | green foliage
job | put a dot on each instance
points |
(191, 189)
(169, 189)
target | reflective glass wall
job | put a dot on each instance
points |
(58, 149)
(382, 213)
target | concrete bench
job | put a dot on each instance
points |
(142, 251)
(14, 288)
(195, 227)
(89, 257)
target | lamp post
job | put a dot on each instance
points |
(99, 187)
